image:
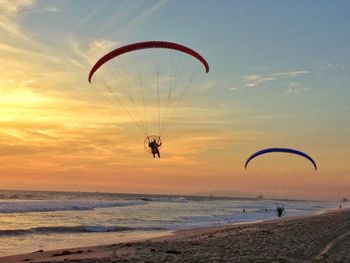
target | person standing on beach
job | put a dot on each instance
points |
(280, 211)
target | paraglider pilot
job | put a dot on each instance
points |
(154, 148)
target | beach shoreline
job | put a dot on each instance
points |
(321, 237)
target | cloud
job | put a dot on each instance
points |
(9, 11)
(93, 51)
(132, 17)
(296, 88)
(146, 14)
(46, 9)
(291, 74)
(50, 65)
(332, 66)
(255, 79)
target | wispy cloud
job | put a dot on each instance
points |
(95, 49)
(9, 11)
(91, 15)
(134, 17)
(46, 9)
(291, 74)
(257, 79)
(296, 88)
(254, 80)
(146, 14)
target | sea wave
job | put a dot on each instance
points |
(71, 229)
(52, 206)
(175, 199)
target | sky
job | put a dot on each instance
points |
(279, 77)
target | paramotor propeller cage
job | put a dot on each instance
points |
(150, 139)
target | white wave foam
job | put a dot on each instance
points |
(51, 206)
(177, 199)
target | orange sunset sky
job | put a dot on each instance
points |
(278, 78)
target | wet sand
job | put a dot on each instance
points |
(318, 238)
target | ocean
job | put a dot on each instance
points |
(36, 220)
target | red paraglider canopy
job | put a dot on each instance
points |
(145, 45)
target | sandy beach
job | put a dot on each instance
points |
(319, 238)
